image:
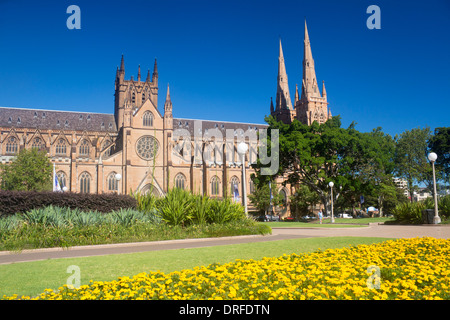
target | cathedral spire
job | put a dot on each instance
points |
(168, 104)
(148, 76)
(309, 72)
(324, 92)
(139, 73)
(155, 73)
(122, 65)
(283, 99)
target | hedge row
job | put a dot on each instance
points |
(12, 202)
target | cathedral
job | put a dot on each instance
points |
(140, 148)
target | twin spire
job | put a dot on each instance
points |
(283, 99)
(309, 87)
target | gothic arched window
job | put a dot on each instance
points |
(84, 148)
(61, 147)
(215, 186)
(85, 182)
(11, 145)
(147, 119)
(107, 144)
(113, 183)
(234, 184)
(133, 98)
(37, 144)
(180, 181)
(62, 179)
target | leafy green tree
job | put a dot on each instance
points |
(317, 154)
(302, 201)
(260, 198)
(411, 158)
(30, 171)
(308, 154)
(440, 144)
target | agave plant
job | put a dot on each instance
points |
(9, 223)
(201, 209)
(48, 216)
(176, 207)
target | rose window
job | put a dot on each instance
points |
(147, 147)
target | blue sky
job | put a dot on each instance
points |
(221, 57)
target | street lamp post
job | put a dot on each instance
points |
(118, 177)
(433, 157)
(331, 184)
(242, 149)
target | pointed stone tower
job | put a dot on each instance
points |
(312, 106)
(283, 104)
(168, 131)
(131, 94)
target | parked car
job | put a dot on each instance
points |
(268, 217)
(345, 215)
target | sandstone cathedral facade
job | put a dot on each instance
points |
(148, 148)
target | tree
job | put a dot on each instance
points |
(440, 144)
(317, 154)
(260, 198)
(411, 158)
(30, 171)
(302, 201)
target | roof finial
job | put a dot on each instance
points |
(122, 65)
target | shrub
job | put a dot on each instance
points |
(12, 202)
(175, 208)
(182, 208)
(411, 212)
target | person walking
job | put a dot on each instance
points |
(320, 214)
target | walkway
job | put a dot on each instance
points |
(373, 230)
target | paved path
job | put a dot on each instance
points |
(373, 230)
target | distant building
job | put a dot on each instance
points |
(422, 194)
(402, 184)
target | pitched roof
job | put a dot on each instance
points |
(56, 120)
(193, 124)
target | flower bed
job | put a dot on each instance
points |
(407, 268)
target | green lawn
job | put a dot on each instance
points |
(338, 223)
(31, 278)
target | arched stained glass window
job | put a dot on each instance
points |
(12, 145)
(215, 186)
(61, 147)
(147, 119)
(85, 182)
(37, 144)
(180, 181)
(234, 185)
(62, 179)
(84, 148)
(113, 183)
